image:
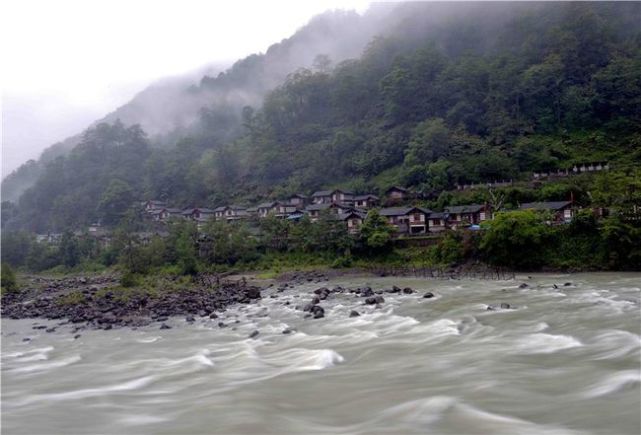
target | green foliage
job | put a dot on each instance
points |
(8, 280)
(128, 279)
(449, 249)
(376, 233)
(227, 243)
(514, 239)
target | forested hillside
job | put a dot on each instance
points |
(450, 93)
(171, 108)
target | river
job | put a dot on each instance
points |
(564, 360)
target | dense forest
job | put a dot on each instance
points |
(447, 94)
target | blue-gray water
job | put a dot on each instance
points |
(565, 361)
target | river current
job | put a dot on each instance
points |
(564, 360)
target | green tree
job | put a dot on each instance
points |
(430, 141)
(69, 251)
(8, 280)
(514, 239)
(376, 232)
(117, 198)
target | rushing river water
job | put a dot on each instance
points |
(565, 360)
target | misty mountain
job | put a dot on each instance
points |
(428, 95)
(170, 107)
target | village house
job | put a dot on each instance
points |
(277, 208)
(464, 215)
(264, 208)
(298, 200)
(152, 205)
(322, 197)
(437, 222)
(366, 201)
(329, 196)
(198, 213)
(314, 210)
(230, 213)
(52, 238)
(396, 195)
(407, 220)
(164, 214)
(562, 211)
(353, 220)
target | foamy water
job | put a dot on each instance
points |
(564, 361)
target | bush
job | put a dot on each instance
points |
(128, 279)
(8, 280)
(341, 262)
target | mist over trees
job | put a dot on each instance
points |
(445, 94)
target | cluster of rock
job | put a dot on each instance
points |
(371, 297)
(104, 308)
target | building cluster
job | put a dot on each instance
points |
(345, 206)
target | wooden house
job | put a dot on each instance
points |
(330, 196)
(277, 208)
(164, 214)
(561, 211)
(437, 222)
(230, 213)
(298, 200)
(314, 210)
(366, 201)
(265, 208)
(407, 220)
(198, 213)
(152, 205)
(464, 215)
(396, 195)
(322, 197)
(353, 220)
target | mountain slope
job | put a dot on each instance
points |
(446, 94)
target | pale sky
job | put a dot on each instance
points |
(66, 63)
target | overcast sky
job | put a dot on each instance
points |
(66, 63)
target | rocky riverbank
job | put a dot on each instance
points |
(99, 301)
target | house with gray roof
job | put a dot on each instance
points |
(410, 220)
(562, 211)
(465, 215)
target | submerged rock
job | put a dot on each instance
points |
(523, 285)
(408, 291)
(254, 334)
(318, 312)
(428, 295)
(165, 326)
(375, 300)
(354, 313)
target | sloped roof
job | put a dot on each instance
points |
(458, 209)
(394, 211)
(323, 193)
(399, 188)
(313, 207)
(367, 196)
(401, 211)
(343, 216)
(221, 208)
(550, 205)
(269, 204)
(438, 215)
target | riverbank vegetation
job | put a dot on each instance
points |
(516, 240)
